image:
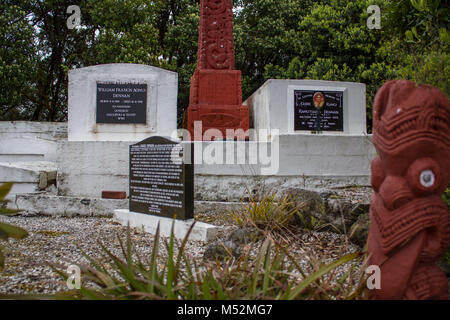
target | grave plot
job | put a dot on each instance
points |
(280, 196)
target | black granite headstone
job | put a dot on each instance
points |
(121, 103)
(318, 110)
(162, 178)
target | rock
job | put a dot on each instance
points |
(308, 195)
(244, 236)
(342, 213)
(360, 230)
(312, 203)
(220, 250)
(327, 208)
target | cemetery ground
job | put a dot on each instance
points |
(61, 241)
(272, 259)
(298, 260)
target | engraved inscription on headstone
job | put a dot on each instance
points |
(121, 103)
(161, 181)
(317, 110)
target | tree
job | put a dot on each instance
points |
(295, 39)
(265, 31)
(180, 48)
(323, 40)
(420, 39)
(110, 31)
(17, 60)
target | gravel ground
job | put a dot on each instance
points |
(59, 240)
(355, 194)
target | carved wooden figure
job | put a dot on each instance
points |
(216, 92)
(410, 223)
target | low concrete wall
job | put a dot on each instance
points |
(236, 189)
(41, 203)
(44, 204)
(85, 169)
(30, 141)
(27, 176)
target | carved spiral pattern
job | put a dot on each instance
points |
(216, 45)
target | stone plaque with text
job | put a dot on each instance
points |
(161, 180)
(121, 103)
(318, 110)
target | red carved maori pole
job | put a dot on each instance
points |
(410, 223)
(216, 92)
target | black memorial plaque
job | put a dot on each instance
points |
(122, 103)
(161, 180)
(316, 110)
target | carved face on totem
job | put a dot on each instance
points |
(410, 224)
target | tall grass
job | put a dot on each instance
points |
(268, 212)
(272, 213)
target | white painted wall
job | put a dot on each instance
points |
(28, 154)
(30, 141)
(272, 105)
(27, 176)
(41, 203)
(162, 91)
(85, 169)
(90, 167)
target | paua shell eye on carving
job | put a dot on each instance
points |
(427, 178)
(423, 175)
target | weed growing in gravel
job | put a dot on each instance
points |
(6, 230)
(272, 274)
(271, 213)
(268, 213)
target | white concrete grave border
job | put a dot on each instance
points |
(201, 231)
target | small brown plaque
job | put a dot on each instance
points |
(114, 195)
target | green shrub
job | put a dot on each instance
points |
(431, 68)
(269, 275)
(446, 258)
(6, 230)
(446, 197)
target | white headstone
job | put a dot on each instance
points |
(121, 102)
